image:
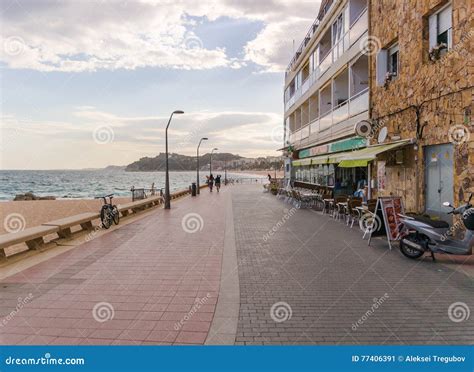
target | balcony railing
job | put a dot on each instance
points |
(357, 29)
(326, 122)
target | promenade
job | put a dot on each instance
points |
(236, 267)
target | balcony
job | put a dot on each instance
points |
(331, 122)
(358, 28)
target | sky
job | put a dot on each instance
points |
(91, 83)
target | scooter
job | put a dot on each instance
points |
(420, 234)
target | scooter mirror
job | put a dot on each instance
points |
(447, 204)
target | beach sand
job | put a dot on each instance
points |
(32, 213)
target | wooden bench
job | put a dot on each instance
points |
(33, 237)
(65, 224)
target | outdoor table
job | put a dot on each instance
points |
(328, 203)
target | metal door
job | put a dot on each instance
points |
(439, 177)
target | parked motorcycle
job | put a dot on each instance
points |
(420, 234)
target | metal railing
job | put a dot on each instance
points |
(355, 105)
(355, 32)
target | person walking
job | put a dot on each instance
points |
(211, 182)
(218, 182)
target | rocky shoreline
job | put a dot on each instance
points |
(30, 196)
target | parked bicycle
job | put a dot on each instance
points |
(109, 213)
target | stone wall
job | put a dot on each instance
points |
(427, 98)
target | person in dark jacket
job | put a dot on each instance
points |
(211, 182)
(218, 182)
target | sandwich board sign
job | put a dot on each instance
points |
(386, 220)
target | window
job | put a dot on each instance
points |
(440, 29)
(392, 67)
(337, 28)
(388, 63)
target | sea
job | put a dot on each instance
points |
(86, 184)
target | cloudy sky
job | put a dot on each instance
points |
(89, 83)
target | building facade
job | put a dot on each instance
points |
(421, 88)
(379, 98)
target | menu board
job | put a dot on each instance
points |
(387, 210)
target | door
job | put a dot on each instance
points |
(439, 176)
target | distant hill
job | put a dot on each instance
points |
(178, 162)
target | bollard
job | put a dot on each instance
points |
(193, 189)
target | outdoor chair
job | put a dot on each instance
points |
(338, 209)
(353, 213)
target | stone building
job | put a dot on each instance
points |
(421, 79)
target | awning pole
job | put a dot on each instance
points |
(369, 196)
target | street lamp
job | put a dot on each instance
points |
(210, 160)
(167, 177)
(197, 168)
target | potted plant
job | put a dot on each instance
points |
(435, 52)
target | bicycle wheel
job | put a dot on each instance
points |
(115, 214)
(105, 217)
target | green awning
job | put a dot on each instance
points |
(353, 163)
(360, 158)
(323, 159)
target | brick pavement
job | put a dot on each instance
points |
(162, 283)
(326, 276)
(159, 280)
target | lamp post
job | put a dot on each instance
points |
(197, 168)
(210, 160)
(167, 177)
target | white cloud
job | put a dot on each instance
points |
(91, 35)
(72, 144)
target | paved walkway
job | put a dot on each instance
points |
(237, 266)
(308, 279)
(149, 282)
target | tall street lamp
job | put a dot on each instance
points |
(167, 177)
(197, 168)
(210, 160)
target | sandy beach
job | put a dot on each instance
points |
(35, 212)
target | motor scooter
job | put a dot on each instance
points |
(420, 234)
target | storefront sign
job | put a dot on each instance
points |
(319, 150)
(386, 220)
(350, 144)
(304, 153)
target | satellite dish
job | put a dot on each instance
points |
(382, 135)
(363, 128)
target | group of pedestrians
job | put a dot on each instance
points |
(211, 181)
